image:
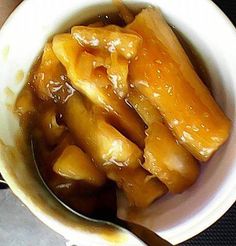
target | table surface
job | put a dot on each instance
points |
(18, 227)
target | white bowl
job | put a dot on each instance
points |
(176, 218)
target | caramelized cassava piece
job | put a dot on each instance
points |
(116, 63)
(73, 163)
(172, 85)
(140, 189)
(168, 160)
(50, 80)
(98, 138)
(125, 44)
(164, 156)
(95, 85)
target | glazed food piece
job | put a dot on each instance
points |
(139, 186)
(50, 81)
(168, 160)
(114, 44)
(98, 138)
(95, 85)
(73, 163)
(164, 156)
(172, 85)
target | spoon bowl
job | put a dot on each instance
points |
(147, 236)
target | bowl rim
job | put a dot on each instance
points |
(214, 215)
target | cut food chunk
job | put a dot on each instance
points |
(95, 85)
(99, 139)
(75, 164)
(164, 156)
(125, 44)
(172, 85)
(140, 188)
(168, 160)
(50, 80)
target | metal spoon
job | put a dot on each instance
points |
(147, 236)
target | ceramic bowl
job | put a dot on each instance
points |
(175, 218)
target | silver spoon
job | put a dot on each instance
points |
(146, 235)
(149, 237)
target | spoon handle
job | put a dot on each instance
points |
(147, 236)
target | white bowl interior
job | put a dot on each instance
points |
(176, 218)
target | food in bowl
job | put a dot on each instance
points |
(110, 105)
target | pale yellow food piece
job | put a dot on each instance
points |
(168, 160)
(49, 79)
(99, 139)
(95, 85)
(164, 157)
(144, 108)
(73, 163)
(49, 126)
(140, 189)
(164, 74)
(125, 44)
